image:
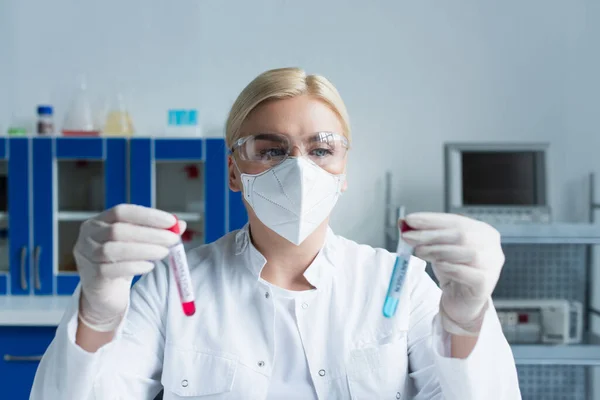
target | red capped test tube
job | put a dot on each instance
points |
(179, 265)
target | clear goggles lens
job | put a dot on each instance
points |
(327, 150)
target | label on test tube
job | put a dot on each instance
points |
(393, 296)
(181, 271)
(403, 255)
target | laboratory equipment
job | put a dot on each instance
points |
(17, 131)
(17, 126)
(498, 182)
(81, 117)
(118, 121)
(553, 321)
(403, 255)
(183, 123)
(181, 271)
(45, 122)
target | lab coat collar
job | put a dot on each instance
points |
(318, 273)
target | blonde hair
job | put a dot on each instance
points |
(283, 83)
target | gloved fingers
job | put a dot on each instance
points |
(125, 232)
(465, 275)
(124, 269)
(447, 253)
(434, 236)
(430, 220)
(138, 215)
(182, 226)
(113, 252)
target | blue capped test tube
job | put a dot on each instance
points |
(403, 254)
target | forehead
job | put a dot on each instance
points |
(297, 116)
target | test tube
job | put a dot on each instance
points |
(178, 263)
(403, 254)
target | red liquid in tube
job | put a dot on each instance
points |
(181, 271)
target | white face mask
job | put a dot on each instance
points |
(293, 198)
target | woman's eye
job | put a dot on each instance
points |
(271, 153)
(322, 152)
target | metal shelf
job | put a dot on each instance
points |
(85, 215)
(554, 233)
(585, 353)
(76, 215)
(188, 216)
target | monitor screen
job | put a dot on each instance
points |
(500, 178)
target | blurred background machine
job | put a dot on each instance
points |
(497, 183)
(543, 297)
(540, 320)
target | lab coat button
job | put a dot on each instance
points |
(261, 364)
(184, 383)
(305, 305)
(267, 295)
(398, 395)
(322, 372)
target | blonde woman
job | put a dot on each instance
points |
(285, 308)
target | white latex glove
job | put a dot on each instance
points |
(112, 248)
(467, 258)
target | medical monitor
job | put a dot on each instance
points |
(502, 182)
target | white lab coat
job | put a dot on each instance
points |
(226, 350)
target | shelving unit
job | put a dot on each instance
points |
(548, 261)
(50, 185)
(54, 184)
(585, 353)
(551, 261)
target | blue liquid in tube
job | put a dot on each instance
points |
(403, 255)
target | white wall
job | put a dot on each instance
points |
(413, 74)
(6, 71)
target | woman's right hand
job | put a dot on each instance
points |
(111, 249)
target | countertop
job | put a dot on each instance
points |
(32, 310)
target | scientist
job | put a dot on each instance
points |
(285, 308)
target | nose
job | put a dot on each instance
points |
(295, 152)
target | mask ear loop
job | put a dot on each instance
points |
(235, 163)
(239, 172)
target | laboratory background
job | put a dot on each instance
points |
(484, 108)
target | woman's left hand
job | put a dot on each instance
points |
(467, 258)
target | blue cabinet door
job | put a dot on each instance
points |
(21, 349)
(19, 216)
(215, 189)
(47, 152)
(221, 214)
(4, 232)
(141, 167)
(44, 213)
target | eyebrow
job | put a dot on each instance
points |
(268, 136)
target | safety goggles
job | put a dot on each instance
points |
(266, 150)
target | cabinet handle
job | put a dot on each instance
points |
(23, 268)
(36, 268)
(11, 358)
